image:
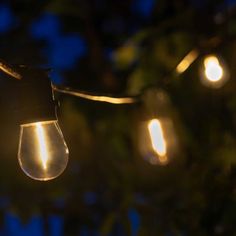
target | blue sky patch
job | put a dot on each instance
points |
(143, 7)
(47, 27)
(6, 19)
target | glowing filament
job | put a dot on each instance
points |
(213, 69)
(187, 61)
(42, 145)
(157, 138)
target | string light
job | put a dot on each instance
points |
(43, 153)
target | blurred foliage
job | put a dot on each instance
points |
(126, 52)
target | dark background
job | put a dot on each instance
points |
(122, 47)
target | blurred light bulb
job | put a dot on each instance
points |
(213, 69)
(187, 61)
(157, 139)
(158, 142)
(42, 152)
(214, 72)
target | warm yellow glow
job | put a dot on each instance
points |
(157, 139)
(213, 69)
(43, 153)
(187, 61)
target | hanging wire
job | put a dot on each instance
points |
(96, 97)
(9, 69)
(12, 71)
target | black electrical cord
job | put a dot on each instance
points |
(13, 72)
(96, 97)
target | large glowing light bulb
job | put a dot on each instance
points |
(42, 152)
(214, 72)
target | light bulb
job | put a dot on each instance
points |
(42, 152)
(214, 72)
(158, 142)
